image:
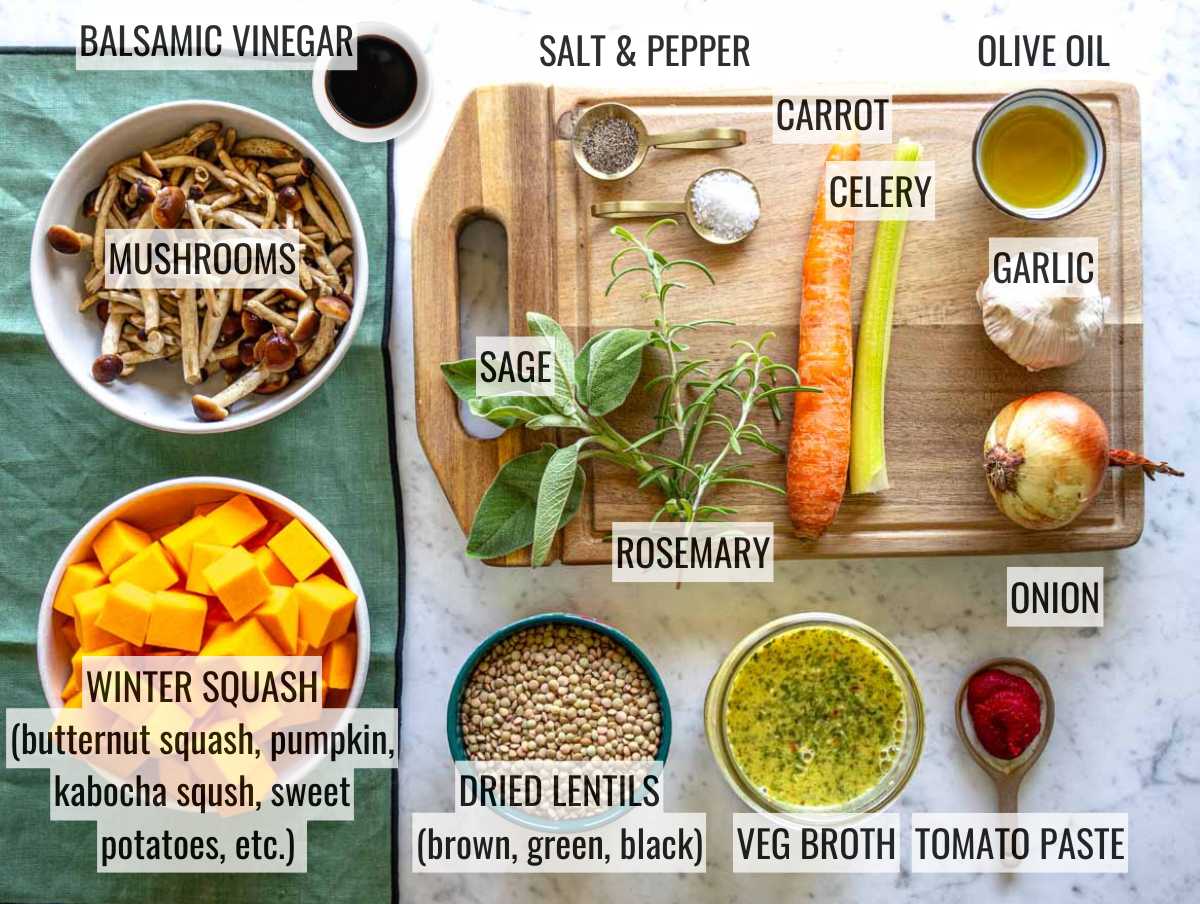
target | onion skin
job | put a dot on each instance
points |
(1045, 457)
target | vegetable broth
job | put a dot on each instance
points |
(814, 717)
(1033, 156)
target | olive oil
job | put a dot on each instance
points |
(1033, 156)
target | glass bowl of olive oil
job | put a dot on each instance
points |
(1039, 154)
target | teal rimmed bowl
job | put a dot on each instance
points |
(458, 750)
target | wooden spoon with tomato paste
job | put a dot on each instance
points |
(819, 449)
(1007, 777)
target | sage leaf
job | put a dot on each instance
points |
(460, 375)
(564, 359)
(510, 410)
(550, 421)
(560, 477)
(607, 368)
(505, 518)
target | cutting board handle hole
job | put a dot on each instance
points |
(482, 253)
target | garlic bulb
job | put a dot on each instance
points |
(1041, 328)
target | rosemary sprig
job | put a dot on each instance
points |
(535, 494)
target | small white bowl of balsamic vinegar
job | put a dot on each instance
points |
(384, 96)
(1039, 154)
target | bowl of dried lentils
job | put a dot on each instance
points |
(558, 687)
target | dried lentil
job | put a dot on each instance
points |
(559, 692)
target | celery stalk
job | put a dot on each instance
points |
(868, 460)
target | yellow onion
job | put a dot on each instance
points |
(1045, 456)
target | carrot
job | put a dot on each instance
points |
(819, 450)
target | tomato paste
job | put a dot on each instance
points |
(1006, 712)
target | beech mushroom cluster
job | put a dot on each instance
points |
(209, 178)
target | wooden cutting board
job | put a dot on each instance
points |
(508, 157)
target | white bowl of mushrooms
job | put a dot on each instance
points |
(198, 361)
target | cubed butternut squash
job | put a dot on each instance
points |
(88, 606)
(77, 578)
(126, 612)
(203, 555)
(280, 615)
(235, 580)
(178, 543)
(326, 608)
(236, 520)
(149, 569)
(117, 543)
(272, 568)
(177, 620)
(337, 662)
(299, 550)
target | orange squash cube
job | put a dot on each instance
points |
(178, 543)
(177, 620)
(299, 550)
(280, 615)
(71, 688)
(120, 648)
(236, 520)
(337, 662)
(272, 568)
(235, 580)
(326, 608)
(244, 638)
(88, 606)
(68, 633)
(117, 543)
(216, 641)
(149, 569)
(126, 612)
(77, 578)
(205, 508)
(203, 555)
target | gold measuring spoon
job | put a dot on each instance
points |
(630, 210)
(1006, 775)
(686, 140)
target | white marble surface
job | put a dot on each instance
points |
(1128, 730)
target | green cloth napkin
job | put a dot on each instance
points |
(63, 458)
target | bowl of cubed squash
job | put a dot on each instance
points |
(204, 566)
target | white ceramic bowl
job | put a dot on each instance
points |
(166, 503)
(416, 110)
(156, 395)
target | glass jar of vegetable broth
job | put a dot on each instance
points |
(815, 715)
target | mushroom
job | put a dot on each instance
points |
(306, 322)
(189, 334)
(66, 240)
(289, 198)
(334, 307)
(108, 366)
(314, 210)
(169, 205)
(89, 203)
(321, 344)
(107, 195)
(149, 166)
(274, 353)
(334, 208)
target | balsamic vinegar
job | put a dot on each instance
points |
(381, 90)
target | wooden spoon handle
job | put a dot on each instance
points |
(1006, 794)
